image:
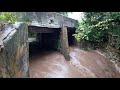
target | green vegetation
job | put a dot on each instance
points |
(97, 27)
(8, 17)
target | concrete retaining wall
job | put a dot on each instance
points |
(14, 52)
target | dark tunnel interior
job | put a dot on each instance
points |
(41, 42)
(71, 38)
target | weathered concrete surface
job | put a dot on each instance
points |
(14, 54)
(63, 39)
(48, 19)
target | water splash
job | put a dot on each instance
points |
(76, 63)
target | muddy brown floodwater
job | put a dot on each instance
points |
(83, 64)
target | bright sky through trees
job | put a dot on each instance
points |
(76, 15)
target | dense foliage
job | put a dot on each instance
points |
(97, 27)
(8, 17)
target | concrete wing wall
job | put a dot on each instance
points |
(14, 52)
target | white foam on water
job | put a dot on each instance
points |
(76, 63)
(100, 53)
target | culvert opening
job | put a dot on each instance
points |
(43, 39)
(44, 49)
(71, 38)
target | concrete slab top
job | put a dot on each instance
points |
(50, 19)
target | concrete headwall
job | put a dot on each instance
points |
(47, 19)
(14, 52)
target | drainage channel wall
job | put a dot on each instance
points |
(14, 52)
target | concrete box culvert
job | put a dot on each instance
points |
(14, 45)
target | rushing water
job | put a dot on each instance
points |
(83, 64)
